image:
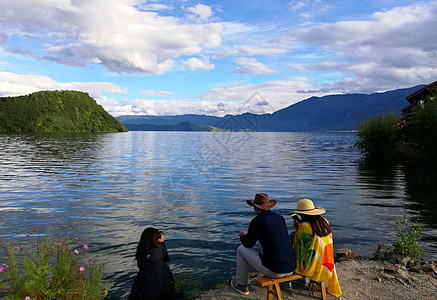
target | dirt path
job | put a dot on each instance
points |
(359, 279)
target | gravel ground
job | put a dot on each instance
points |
(359, 279)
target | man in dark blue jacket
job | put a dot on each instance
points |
(277, 258)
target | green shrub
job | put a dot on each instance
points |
(379, 136)
(52, 268)
(422, 131)
(407, 243)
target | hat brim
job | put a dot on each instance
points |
(268, 205)
(313, 212)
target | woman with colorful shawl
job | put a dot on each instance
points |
(313, 245)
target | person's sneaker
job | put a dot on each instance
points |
(243, 290)
(286, 285)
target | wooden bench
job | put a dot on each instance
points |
(270, 282)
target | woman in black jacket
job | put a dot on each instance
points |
(154, 279)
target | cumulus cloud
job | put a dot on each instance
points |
(391, 49)
(278, 94)
(195, 63)
(255, 98)
(251, 66)
(113, 33)
(161, 107)
(12, 84)
(201, 11)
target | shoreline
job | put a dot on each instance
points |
(360, 278)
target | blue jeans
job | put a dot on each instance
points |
(246, 256)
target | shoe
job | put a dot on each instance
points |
(286, 285)
(243, 290)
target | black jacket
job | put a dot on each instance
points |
(270, 230)
(154, 279)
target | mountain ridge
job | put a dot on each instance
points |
(343, 112)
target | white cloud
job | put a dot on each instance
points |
(201, 11)
(256, 98)
(278, 94)
(251, 66)
(155, 93)
(161, 107)
(250, 51)
(391, 49)
(111, 32)
(308, 8)
(245, 50)
(195, 63)
(155, 7)
(12, 84)
(295, 5)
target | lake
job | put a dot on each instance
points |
(106, 188)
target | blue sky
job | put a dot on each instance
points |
(214, 57)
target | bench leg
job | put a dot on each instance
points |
(270, 292)
(274, 292)
(278, 291)
(323, 288)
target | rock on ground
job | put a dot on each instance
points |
(359, 279)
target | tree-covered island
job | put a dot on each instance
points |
(55, 111)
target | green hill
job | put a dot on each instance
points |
(55, 111)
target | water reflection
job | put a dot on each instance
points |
(401, 189)
(106, 188)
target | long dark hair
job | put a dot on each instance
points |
(319, 225)
(149, 239)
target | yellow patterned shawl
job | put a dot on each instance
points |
(315, 257)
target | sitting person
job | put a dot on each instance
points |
(313, 245)
(270, 229)
(154, 279)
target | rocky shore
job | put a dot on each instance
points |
(360, 278)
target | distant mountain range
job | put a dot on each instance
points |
(328, 113)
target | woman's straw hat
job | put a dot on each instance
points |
(306, 207)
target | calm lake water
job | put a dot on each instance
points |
(106, 188)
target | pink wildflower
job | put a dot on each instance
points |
(63, 278)
(16, 248)
(27, 298)
(27, 235)
(6, 254)
(85, 246)
(81, 269)
(2, 269)
(76, 251)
